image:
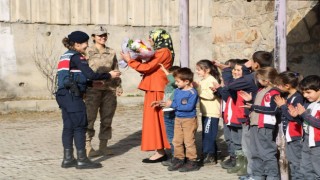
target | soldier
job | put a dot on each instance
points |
(73, 73)
(102, 96)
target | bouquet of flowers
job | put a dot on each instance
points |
(138, 49)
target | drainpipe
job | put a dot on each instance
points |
(184, 32)
(280, 50)
(280, 63)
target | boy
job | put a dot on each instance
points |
(310, 87)
(184, 102)
(248, 84)
(168, 113)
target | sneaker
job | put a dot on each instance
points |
(210, 159)
(176, 164)
(230, 163)
(168, 162)
(190, 166)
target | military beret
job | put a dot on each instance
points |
(78, 37)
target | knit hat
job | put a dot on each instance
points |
(78, 37)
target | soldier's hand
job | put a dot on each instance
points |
(115, 73)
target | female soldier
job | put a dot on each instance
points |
(103, 94)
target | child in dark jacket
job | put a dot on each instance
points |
(288, 82)
(310, 157)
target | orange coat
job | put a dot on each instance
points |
(154, 79)
(153, 83)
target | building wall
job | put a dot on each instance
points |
(240, 28)
(219, 29)
(31, 29)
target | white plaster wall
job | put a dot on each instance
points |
(28, 36)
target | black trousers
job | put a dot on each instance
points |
(74, 119)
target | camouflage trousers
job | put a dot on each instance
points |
(104, 101)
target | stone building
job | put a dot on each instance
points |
(31, 31)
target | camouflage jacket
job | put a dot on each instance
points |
(103, 62)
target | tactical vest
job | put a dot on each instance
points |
(64, 72)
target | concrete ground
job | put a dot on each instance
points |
(31, 148)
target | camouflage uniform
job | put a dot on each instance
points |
(102, 95)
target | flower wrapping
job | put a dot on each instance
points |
(138, 49)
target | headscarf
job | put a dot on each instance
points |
(162, 39)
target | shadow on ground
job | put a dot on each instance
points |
(123, 146)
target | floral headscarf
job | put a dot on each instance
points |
(162, 39)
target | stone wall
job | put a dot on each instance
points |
(240, 28)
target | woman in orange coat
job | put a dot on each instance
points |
(153, 83)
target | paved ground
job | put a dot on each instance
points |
(30, 148)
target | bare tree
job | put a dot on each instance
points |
(46, 57)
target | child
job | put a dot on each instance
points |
(169, 113)
(288, 82)
(263, 125)
(234, 118)
(73, 72)
(247, 83)
(310, 87)
(227, 76)
(185, 127)
(210, 109)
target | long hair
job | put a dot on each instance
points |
(206, 64)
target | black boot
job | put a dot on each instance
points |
(84, 163)
(210, 158)
(68, 159)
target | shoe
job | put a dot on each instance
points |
(68, 159)
(229, 164)
(238, 166)
(228, 161)
(243, 169)
(168, 162)
(84, 163)
(160, 159)
(176, 164)
(210, 159)
(190, 166)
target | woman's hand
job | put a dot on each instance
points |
(125, 56)
(246, 96)
(280, 101)
(115, 73)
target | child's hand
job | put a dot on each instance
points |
(247, 105)
(163, 69)
(246, 96)
(219, 65)
(165, 104)
(292, 111)
(155, 104)
(215, 86)
(195, 84)
(300, 109)
(279, 100)
(248, 64)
